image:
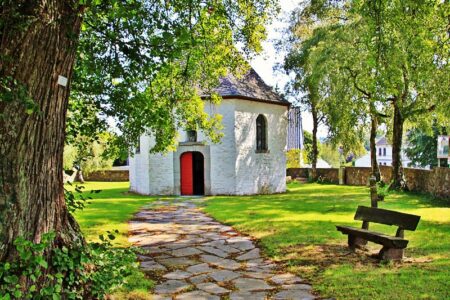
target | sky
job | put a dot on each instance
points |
(264, 63)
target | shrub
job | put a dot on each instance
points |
(84, 272)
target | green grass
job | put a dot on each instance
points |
(111, 209)
(298, 229)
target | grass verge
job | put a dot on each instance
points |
(109, 210)
(298, 229)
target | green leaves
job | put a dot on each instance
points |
(144, 64)
(85, 272)
(76, 200)
(354, 58)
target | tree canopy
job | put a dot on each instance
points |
(382, 60)
(148, 63)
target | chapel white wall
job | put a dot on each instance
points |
(151, 174)
(258, 173)
(234, 166)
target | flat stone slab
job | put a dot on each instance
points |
(250, 284)
(224, 275)
(199, 269)
(220, 262)
(212, 288)
(194, 257)
(252, 254)
(286, 278)
(258, 275)
(214, 251)
(199, 279)
(171, 287)
(248, 296)
(178, 274)
(177, 262)
(197, 295)
(148, 240)
(186, 252)
(152, 266)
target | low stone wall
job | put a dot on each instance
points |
(108, 175)
(327, 175)
(435, 181)
(357, 175)
(297, 172)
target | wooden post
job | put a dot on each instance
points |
(373, 192)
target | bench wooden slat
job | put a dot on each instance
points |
(376, 237)
(387, 217)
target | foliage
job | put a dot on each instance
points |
(307, 144)
(297, 230)
(62, 273)
(90, 155)
(293, 158)
(370, 60)
(382, 189)
(329, 154)
(327, 151)
(75, 199)
(146, 63)
(422, 146)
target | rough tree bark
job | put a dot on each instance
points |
(315, 151)
(397, 137)
(38, 44)
(373, 149)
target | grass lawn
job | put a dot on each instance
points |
(109, 210)
(298, 229)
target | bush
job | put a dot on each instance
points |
(85, 272)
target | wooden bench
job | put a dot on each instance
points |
(393, 246)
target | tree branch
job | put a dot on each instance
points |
(354, 75)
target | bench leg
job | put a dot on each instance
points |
(356, 242)
(391, 254)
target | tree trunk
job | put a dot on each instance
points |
(79, 176)
(315, 151)
(38, 44)
(397, 137)
(373, 149)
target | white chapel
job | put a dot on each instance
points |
(250, 159)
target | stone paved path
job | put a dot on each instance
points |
(195, 257)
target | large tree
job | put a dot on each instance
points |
(376, 59)
(139, 61)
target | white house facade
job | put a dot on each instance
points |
(250, 159)
(384, 155)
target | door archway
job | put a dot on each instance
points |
(192, 169)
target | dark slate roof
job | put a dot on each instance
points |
(382, 141)
(249, 87)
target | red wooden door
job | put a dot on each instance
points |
(187, 178)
